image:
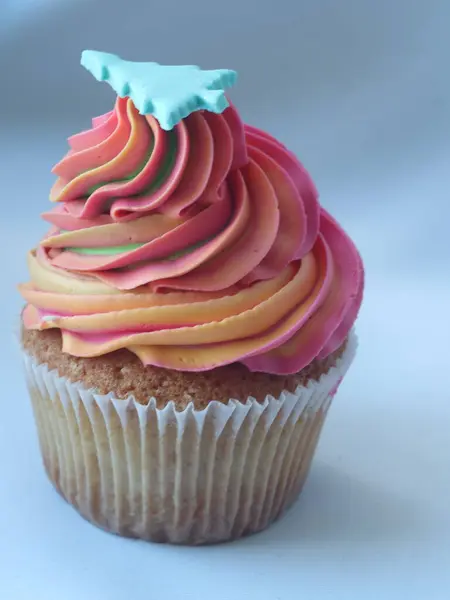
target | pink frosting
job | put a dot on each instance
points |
(207, 212)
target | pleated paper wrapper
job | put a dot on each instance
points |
(186, 477)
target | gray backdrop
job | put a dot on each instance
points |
(360, 90)
(354, 86)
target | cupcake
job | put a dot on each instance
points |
(189, 315)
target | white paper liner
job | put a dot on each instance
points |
(192, 477)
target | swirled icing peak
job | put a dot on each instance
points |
(192, 247)
(169, 93)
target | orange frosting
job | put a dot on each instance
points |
(193, 248)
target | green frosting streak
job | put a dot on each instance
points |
(188, 250)
(111, 250)
(129, 177)
(108, 250)
(166, 168)
(161, 177)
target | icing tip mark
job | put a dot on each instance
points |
(169, 93)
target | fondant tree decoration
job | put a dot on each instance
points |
(169, 93)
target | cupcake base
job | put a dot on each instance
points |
(191, 476)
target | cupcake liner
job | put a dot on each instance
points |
(187, 477)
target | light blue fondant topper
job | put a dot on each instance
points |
(169, 93)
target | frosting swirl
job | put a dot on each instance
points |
(193, 248)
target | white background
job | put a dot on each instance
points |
(360, 90)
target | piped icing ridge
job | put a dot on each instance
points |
(193, 247)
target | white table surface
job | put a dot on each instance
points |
(373, 521)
